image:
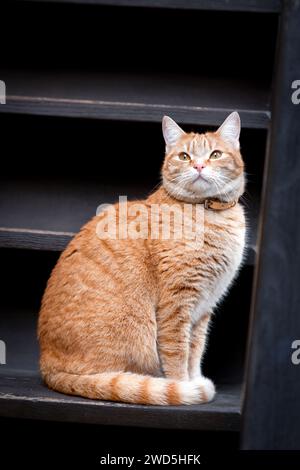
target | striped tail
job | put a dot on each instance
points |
(132, 388)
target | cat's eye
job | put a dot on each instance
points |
(215, 154)
(184, 157)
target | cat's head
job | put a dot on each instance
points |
(200, 166)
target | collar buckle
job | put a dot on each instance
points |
(216, 205)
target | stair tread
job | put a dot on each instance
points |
(230, 5)
(46, 215)
(137, 97)
(24, 395)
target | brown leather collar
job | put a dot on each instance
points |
(216, 205)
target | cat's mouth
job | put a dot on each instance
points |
(200, 177)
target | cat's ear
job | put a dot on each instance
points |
(171, 131)
(230, 130)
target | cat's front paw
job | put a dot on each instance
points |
(207, 389)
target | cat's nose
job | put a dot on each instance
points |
(199, 166)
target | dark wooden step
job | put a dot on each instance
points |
(270, 6)
(45, 215)
(25, 396)
(136, 97)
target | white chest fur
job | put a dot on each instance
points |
(231, 243)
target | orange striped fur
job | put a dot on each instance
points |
(126, 319)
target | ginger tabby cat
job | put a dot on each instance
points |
(127, 319)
